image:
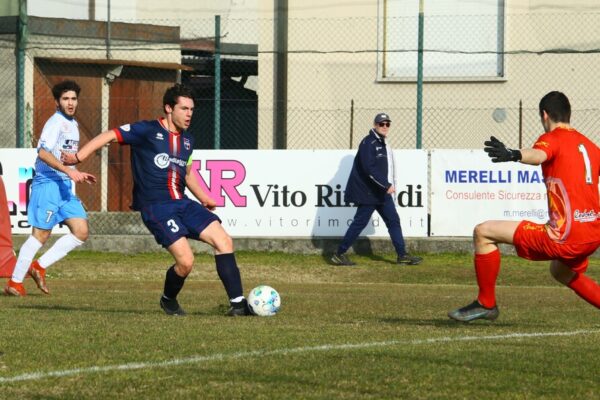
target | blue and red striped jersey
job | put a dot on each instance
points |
(158, 161)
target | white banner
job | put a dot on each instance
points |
(17, 173)
(467, 188)
(301, 192)
(267, 193)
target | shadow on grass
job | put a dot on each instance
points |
(362, 247)
(62, 308)
(443, 322)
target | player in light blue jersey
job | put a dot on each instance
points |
(52, 200)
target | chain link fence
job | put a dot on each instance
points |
(338, 77)
(339, 73)
(8, 89)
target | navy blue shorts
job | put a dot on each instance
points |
(172, 220)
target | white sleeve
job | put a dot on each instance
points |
(49, 135)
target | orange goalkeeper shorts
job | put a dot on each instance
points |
(533, 243)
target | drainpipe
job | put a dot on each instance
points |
(22, 36)
(92, 10)
(281, 73)
(108, 32)
(420, 76)
(217, 144)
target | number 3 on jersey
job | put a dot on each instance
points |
(171, 224)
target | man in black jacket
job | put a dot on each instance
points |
(371, 186)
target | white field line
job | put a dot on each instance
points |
(405, 284)
(280, 352)
(336, 283)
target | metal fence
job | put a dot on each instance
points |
(340, 73)
(8, 92)
(334, 82)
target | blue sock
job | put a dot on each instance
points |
(173, 284)
(229, 274)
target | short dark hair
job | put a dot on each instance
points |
(65, 86)
(557, 106)
(174, 92)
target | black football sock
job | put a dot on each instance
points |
(173, 284)
(229, 274)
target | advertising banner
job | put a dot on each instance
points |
(467, 188)
(267, 193)
(17, 172)
(300, 193)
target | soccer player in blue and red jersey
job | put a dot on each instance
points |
(52, 200)
(161, 152)
(571, 166)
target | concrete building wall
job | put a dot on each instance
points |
(457, 113)
(195, 18)
(9, 8)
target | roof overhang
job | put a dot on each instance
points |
(70, 28)
(130, 63)
(193, 46)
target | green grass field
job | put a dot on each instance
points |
(375, 331)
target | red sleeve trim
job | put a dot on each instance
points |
(118, 134)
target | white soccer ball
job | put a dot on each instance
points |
(264, 301)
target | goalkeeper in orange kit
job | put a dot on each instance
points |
(571, 166)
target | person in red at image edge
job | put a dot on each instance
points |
(161, 152)
(570, 165)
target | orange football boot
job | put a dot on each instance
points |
(38, 274)
(14, 289)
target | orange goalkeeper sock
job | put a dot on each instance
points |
(586, 288)
(487, 267)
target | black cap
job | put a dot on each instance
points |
(381, 117)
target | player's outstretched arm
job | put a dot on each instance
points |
(91, 146)
(73, 173)
(197, 191)
(533, 156)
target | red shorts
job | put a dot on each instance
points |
(532, 242)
